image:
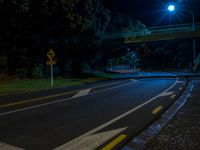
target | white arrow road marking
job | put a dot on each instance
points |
(95, 140)
(180, 81)
(4, 146)
(82, 93)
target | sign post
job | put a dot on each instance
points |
(51, 62)
(51, 75)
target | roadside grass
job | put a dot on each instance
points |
(12, 85)
(30, 85)
(106, 75)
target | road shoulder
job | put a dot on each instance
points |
(184, 127)
(164, 132)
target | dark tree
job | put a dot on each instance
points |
(30, 27)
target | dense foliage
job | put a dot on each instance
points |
(29, 28)
(166, 55)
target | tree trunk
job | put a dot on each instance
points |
(77, 65)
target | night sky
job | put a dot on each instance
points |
(154, 12)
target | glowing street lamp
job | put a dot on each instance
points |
(171, 8)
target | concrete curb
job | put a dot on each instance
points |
(151, 76)
(140, 141)
(4, 146)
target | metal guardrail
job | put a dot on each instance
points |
(152, 31)
(196, 63)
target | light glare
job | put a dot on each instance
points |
(171, 7)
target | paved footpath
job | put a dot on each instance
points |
(183, 131)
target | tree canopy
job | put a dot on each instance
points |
(29, 27)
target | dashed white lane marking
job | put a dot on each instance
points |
(87, 135)
(166, 93)
(82, 93)
(4, 146)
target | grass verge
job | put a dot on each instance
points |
(30, 85)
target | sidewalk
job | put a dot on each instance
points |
(183, 131)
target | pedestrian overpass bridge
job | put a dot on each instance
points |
(154, 34)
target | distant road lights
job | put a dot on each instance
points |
(171, 7)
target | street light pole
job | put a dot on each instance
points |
(194, 42)
(191, 13)
(172, 8)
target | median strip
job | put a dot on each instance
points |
(36, 99)
(48, 103)
(80, 93)
(114, 142)
(157, 109)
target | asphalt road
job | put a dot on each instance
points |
(99, 116)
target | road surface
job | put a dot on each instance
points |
(98, 116)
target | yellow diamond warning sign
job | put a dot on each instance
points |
(50, 54)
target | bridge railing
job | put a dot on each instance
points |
(174, 26)
(152, 31)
